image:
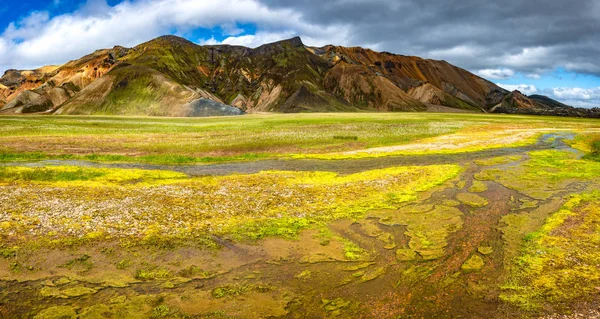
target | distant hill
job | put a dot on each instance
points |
(517, 103)
(171, 76)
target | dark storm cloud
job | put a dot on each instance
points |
(526, 36)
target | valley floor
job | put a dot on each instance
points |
(391, 215)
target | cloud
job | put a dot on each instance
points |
(573, 96)
(476, 35)
(496, 74)
(526, 89)
(574, 93)
(521, 36)
(211, 41)
(255, 40)
(38, 39)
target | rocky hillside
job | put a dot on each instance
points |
(518, 103)
(170, 76)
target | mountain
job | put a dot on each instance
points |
(518, 103)
(171, 76)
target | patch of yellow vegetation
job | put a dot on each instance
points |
(70, 176)
(474, 263)
(462, 142)
(545, 173)
(164, 206)
(472, 200)
(560, 261)
(478, 187)
(428, 229)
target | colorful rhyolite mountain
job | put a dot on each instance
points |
(170, 76)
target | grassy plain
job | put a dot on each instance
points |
(185, 140)
(493, 215)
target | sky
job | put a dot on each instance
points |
(548, 47)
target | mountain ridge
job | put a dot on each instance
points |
(163, 76)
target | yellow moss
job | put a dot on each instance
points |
(428, 230)
(477, 187)
(474, 263)
(86, 176)
(57, 312)
(544, 173)
(472, 200)
(406, 255)
(461, 142)
(485, 250)
(559, 263)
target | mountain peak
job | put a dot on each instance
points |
(294, 42)
(169, 39)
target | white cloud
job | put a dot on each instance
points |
(574, 93)
(526, 89)
(255, 40)
(3, 47)
(211, 41)
(460, 51)
(38, 40)
(527, 57)
(534, 76)
(574, 96)
(496, 74)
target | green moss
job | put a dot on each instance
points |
(406, 255)
(350, 196)
(115, 158)
(57, 312)
(485, 250)
(450, 203)
(477, 187)
(238, 290)
(334, 305)
(78, 291)
(528, 203)
(123, 264)
(150, 272)
(544, 173)
(351, 250)
(162, 311)
(304, 275)
(472, 200)
(57, 174)
(559, 261)
(194, 271)
(427, 238)
(474, 263)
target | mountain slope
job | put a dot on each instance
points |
(166, 75)
(518, 103)
(409, 71)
